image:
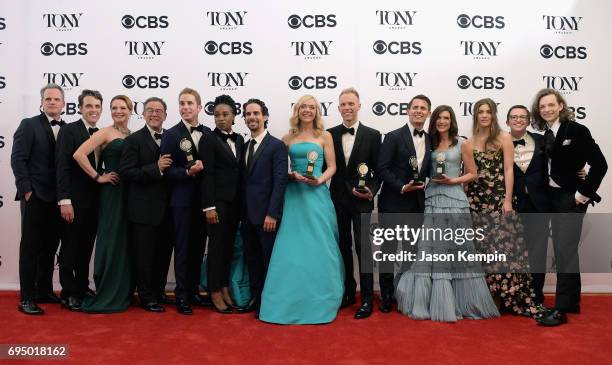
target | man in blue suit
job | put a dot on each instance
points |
(265, 165)
(33, 163)
(181, 143)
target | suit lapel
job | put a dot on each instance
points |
(262, 146)
(356, 144)
(82, 129)
(537, 149)
(337, 138)
(47, 128)
(226, 147)
(407, 138)
(149, 141)
(239, 147)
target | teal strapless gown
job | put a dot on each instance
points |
(305, 279)
(112, 274)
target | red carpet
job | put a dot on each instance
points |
(206, 337)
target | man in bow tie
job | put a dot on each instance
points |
(33, 164)
(355, 146)
(404, 154)
(77, 195)
(181, 143)
(148, 213)
(531, 195)
(569, 146)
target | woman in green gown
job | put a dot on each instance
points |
(112, 271)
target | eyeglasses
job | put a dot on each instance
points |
(154, 111)
(519, 117)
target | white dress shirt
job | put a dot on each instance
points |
(348, 140)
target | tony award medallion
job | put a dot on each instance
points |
(187, 147)
(440, 165)
(312, 158)
(415, 170)
(362, 170)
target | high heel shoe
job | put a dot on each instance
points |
(216, 297)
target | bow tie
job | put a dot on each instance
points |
(199, 128)
(348, 130)
(57, 122)
(157, 135)
(92, 130)
(225, 137)
(419, 133)
(519, 141)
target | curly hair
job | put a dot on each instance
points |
(565, 115)
(227, 100)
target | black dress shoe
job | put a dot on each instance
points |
(50, 298)
(385, 304)
(29, 307)
(183, 307)
(364, 311)
(153, 307)
(226, 310)
(552, 319)
(347, 301)
(72, 303)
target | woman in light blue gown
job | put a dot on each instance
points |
(446, 291)
(304, 284)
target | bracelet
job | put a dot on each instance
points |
(96, 177)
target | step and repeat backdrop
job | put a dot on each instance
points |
(454, 52)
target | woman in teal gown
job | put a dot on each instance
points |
(304, 284)
(112, 270)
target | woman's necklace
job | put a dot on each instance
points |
(122, 130)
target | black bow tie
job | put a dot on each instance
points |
(92, 130)
(519, 141)
(157, 135)
(348, 130)
(57, 122)
(419, 133)
(199, 128)
(225, 136)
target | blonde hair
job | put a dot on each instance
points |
(494, 129)
(294, 121)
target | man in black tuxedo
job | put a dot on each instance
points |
(33, 164)
(265, 166)
(148, 213)
(181, 143)
(77, 195)
(356, 147)
(404, 151)
(221, 153)
(569, 146)
(531, 192)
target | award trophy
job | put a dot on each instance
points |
(187, 147)
(362, 170)
(312, 158)
(415, 170)
(440, 165)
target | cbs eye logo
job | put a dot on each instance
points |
(150, 21)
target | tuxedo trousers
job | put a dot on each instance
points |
(151, 255)
(189, 245)
(221, 244)
(77, 246)
(40, 236)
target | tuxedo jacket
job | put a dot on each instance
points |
(184, 190)
(574, 147)
(264, 183)
(395, 171)
(532, 184)
(365, 150)
(221, 176)
(72, 182)
(147, 199)
(33, 159)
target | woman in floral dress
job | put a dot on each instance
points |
(490, 198)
